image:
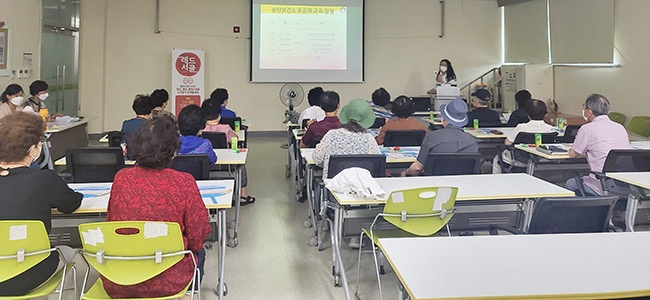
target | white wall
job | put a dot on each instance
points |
(121, 56)
(625, 87)
(23, 19)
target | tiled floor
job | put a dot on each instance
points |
(273, 259)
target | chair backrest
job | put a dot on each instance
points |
(627, 160)
(529, 138)
(115, 138)
(572, 215)
(94, 164)
(378, 123)
(426, 210)
(404, 138)
(570, 133)
(138, 241)
(304, 123)
(218, 139)
(375, 163)
(640, 125)
(618, 117)
(230, 121)
(196, 164)
(452, 164)
(19, 240)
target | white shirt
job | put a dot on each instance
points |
(312, 113)
(535, 126)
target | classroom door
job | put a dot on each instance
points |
(60, 55)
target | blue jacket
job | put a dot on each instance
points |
(191, 144)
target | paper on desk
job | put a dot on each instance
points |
(65, 120)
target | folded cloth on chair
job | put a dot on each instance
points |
(356, 181)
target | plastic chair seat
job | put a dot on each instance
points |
(47, 287)
(386, 233)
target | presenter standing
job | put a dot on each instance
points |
(445, 75)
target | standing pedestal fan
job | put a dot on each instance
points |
(291, 95)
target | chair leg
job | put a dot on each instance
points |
(356, 289)
(65, 270)
(374, 254)
(448, 231)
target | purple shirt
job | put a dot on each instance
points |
(594, 140)
(317, 130)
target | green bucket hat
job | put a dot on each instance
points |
(358, 110)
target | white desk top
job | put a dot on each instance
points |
(470, 187)
(241, 136)
(52, 128)
(640, 179)
(403, 155)
(533, 150)
(224, 157)
(435, 121)
(575, 266)
(215, 193)
(484, 133)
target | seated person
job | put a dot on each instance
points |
(29, 194)
(142, 106)
(12, 100)
(450, 139)
(160, 99)
(353, 136)
(486, 117)
(403, 109)
(313, 112)
(221, 96)
(380, 104)
(520, 115)
(212, 111)
(138, 194)
(329, 102)
(36, 103)
(190, 123)
(594, 140)
(536, 110)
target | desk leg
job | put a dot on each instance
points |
(237, 194)
(337, 268)
(287, 168)
(530, 168)
(529, 205)
(222, 254)
(630, 212)
(310, 196)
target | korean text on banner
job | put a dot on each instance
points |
(187, 78)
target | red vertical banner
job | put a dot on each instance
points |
(187, 78)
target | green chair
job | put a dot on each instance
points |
(413, 212)
(131, 252)
(618, 117)
(24, 245)
(640, 125)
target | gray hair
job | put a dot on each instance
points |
(598, 104)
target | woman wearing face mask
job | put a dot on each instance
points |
(445, 73)
(36, 103)
(12, 100)
(29, 194)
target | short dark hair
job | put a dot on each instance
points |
(380, 97)
(18, 132)
(329, 101)
(191, 120)
(211, 109)
(155, 143)
(536, 109)
(353, 126)
(403, 107)
(220, 94)
(38, 86)
(522, 98)
(314, 96)
(159, 96)
(142, 105)
(11, 89)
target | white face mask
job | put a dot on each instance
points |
(43, 96)
(17, 101)
(443, 69)
(39, 149)
(584, 117)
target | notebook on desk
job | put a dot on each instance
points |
(552, 149)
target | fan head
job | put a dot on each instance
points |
(291, 94)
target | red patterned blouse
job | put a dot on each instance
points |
(159, 195)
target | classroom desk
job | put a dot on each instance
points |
(540, 161)
(241, 137)
(216, 194)
(290, 146)
(62, 137)
(551, 119)
(225, 157)
(477, 188)
(640, 185)
(548, 266)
